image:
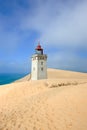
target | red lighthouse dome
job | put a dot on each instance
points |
(39, 49)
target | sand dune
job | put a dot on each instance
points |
(58, 103)
(59, 74)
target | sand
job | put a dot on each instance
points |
(58, 103)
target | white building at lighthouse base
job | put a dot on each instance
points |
(39, 65)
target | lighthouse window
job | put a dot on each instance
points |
(41, 63)
(42, 69)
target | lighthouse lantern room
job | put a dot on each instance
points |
(39, 64)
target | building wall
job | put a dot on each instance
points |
(39, 67)
(42, 69)
(34, 69)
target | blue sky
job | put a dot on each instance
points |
(59, 25)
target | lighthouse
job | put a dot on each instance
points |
(39, 64)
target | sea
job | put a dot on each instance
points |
(9, 78)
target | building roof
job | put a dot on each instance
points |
(39, 47)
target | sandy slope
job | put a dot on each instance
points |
(59, 74)
(58, 103)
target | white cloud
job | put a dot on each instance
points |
(67, 61)
(59, 24)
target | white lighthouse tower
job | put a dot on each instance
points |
(39, 64)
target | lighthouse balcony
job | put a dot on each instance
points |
(39, 57)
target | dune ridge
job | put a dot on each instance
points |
(57, 103)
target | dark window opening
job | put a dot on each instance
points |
(41, 63)
(42, 69)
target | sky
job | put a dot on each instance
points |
(59, 25)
